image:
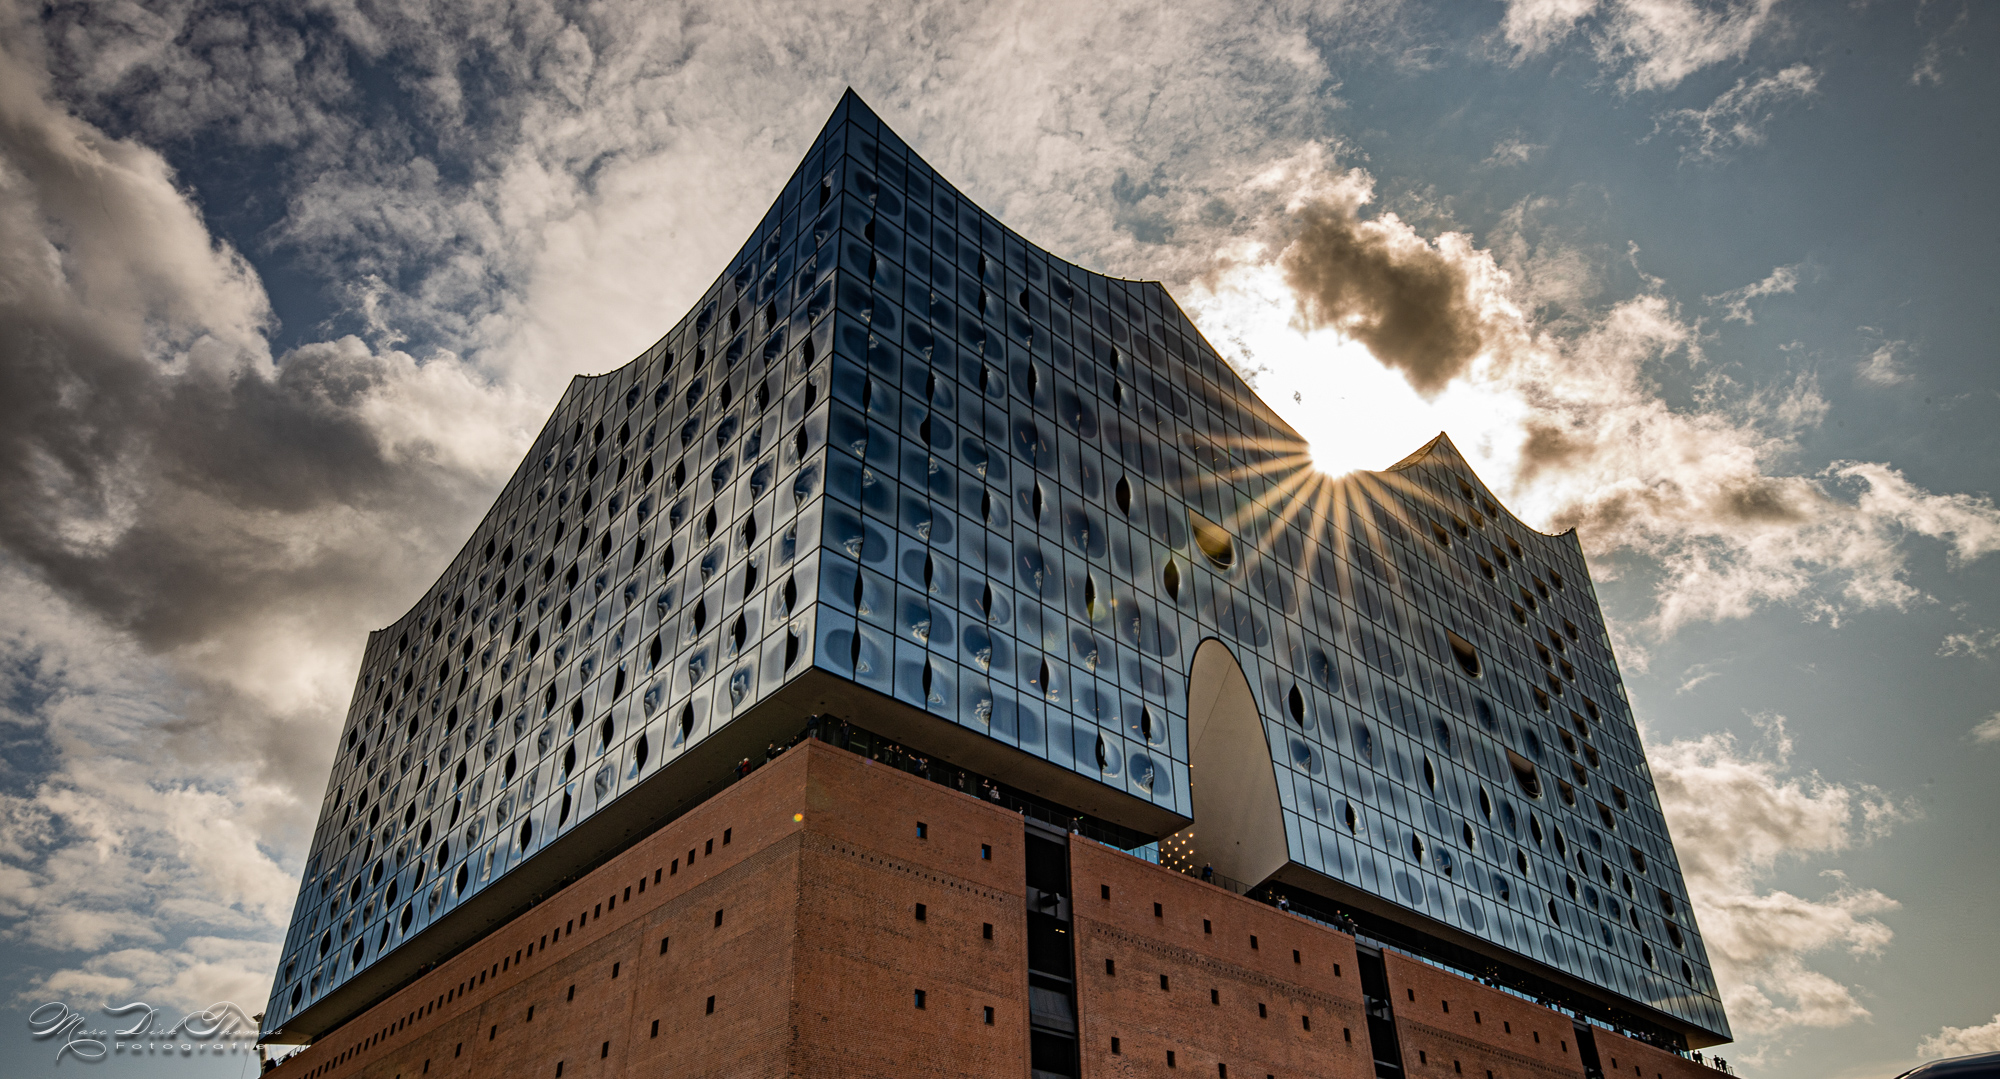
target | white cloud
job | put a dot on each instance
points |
(1662, 42)
(1694, 676)
(1988, 730)
(1961, 1041)
(1737, 118)
(1970, 524)
(1736, 302)
(1513, 150)
(1534, 26)
(1737, 814)
(1568, 417)
(195, 536)
(1930, 62)
(1554, 268)
(623, 178)
(1652, 44)
(1975, 642)
(202, 971)
(1885, 366)
(144, 874)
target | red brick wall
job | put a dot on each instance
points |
(576, 936)
(817, 865)
(1201, 941)
(813, 969)
(1621, 1056)
(862, 952)
(1453, 1026)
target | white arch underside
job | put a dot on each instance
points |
(1238, 825)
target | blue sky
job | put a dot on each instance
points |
(284, 292)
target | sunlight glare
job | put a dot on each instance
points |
(1354, 412)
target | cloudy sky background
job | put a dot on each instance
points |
(285, 291)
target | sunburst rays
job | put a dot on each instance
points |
(1326, 511)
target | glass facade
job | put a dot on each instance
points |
(898, 444)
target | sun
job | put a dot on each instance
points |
(1353, 412)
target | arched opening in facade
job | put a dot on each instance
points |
(1233, 783)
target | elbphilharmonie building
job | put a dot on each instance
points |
(903, 484)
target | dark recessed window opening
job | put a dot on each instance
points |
(922, 912)
(1464, 653)
(711, 1006)
(1213, 540)
(987, 930)
(920, 998)
(989, 1015)
(1525, 775)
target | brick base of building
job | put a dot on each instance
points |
(830, 916)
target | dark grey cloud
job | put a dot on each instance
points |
(168, 479)
(195, 538)
(195, 468)
(1548, 445)
(1404, 299)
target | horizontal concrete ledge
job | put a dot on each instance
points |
(817, 691)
